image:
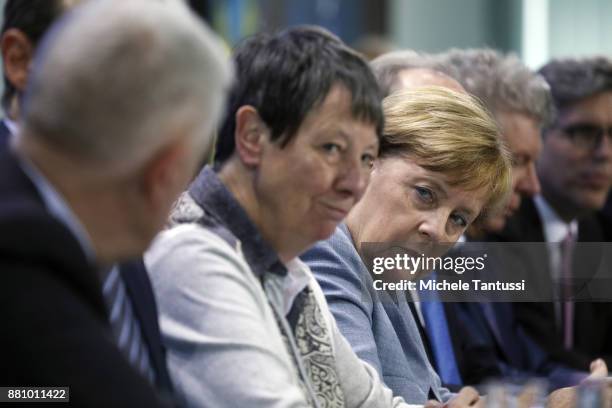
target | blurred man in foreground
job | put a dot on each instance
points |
(112, 128)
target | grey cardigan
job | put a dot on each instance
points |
(225, 348)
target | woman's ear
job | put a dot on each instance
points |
(17, 53)
(251, 133)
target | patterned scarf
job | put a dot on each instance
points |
(316, 353)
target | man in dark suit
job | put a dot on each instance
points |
(99, 158)
(5, 134)
(575, 171)
(25, 22)
(605, 216)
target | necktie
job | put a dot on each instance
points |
(567, 306)
(439, 336)
(125, 326)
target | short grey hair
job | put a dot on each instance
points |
(573, 79)
(502, 82)
(387, 67)
(117, 80)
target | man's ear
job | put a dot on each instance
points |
(166, 175)
(251, 133)
(17, 54)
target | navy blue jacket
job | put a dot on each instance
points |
(4, 135)
(55, 329)
(592, 320)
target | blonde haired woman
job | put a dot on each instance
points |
(441, 166)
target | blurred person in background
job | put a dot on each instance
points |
(407, 69)
(99, 158)
(575, 171)
(433, 178)
(25, 22)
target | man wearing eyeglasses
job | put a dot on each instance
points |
(575, 173)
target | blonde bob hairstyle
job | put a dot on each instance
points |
(450, 133)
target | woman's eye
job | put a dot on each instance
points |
(459, 220)
(425, 194)
(331, 148)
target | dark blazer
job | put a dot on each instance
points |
(492, 344)
(605, 218)
(487, 339)
(592, 320)
(4, 135)
(55, 329)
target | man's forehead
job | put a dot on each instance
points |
(410, 78)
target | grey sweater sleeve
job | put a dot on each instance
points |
(224, 348)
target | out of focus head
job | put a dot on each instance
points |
(371, 46)
(25, 23)
(408, 69)
(520, 101)
(420, 77)
(575, 167)
(441, 166)
(302, 128)
(125, 103)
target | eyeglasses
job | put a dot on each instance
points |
(587, 136)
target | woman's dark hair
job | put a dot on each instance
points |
(286, 75)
